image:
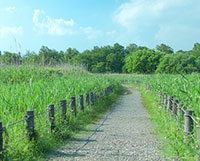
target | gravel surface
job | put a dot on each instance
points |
(124, 133)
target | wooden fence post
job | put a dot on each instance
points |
(1, 136)
(29, 121)
(87, 99)
(51, 116)
(169, 103)
(106, 91)
(174, 107)
(92, 98)
(73, 105)
(198, 140)
(188, 128)
(165, 100)
(159, 97)
(63, 105)
(81, 103)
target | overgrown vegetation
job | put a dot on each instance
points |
(116, 58)
(33, 88)
(170, 132)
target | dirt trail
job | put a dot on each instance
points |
(124, 133)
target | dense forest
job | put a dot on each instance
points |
(116, 58)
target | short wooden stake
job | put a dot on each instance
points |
(106, 91)
(29, 122)
(63, 105)
(51, 116)
(159, 97)
(92, 98)
(73, 105)
(174, 107)
(165, 101)
(169, 103)
(87, 99)
(81, 103)
(188, 128)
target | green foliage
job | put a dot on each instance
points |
(143, 61)
(164, 48)
(115, 59)
(165, 126)
(49, 57)
(33, 88)
(181, 62)
(9, 58)
(102, 59)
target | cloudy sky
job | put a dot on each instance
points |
(60, 24)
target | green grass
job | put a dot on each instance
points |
(33, 88)
(166, 128)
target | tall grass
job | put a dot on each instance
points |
(33, 88)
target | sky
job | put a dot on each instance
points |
(83, 24)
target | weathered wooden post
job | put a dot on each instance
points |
(165, 100)
(73, 105)
(81, 103)
(159, 97)
(106, 91)
(198, 140)
(188, 128)
(174, 107)
(1, 136)
(87, 99)
(63, 105)
(92, 98)
(29, 122)
(51, 116)
(169, 103)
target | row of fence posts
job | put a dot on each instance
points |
(90, 99)
(172, 105)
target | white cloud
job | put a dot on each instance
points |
(137, 12)
(51, 26)
(6, 31)
(177, 33)
(90, 32)
(10, 9)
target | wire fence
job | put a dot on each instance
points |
(30, 117)
(184, 117)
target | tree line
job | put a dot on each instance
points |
(114, 59)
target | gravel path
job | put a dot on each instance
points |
(124, 133)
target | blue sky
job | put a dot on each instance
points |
(60, 24)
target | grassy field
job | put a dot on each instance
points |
(186, 89)
(33, 88)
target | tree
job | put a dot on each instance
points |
(164, 48)
(196, 47)
(30, 58)
(49, 57)
(180, 62)
(130, 48)
(9, 58)
(143, 61)
(70, 53)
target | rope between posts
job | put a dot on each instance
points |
(14, 123)
(194, 119)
